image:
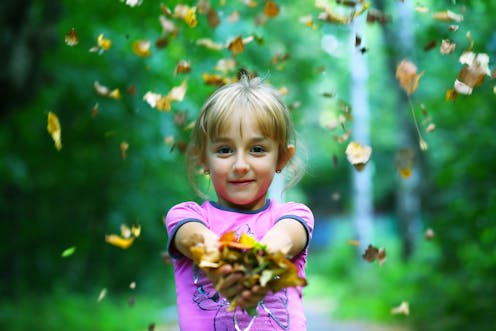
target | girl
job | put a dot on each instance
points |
(242, 137)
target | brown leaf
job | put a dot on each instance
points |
(406, 73)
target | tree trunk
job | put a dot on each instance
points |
(362, 181)
(400, 33)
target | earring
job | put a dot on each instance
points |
(278, 171)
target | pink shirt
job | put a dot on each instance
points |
(200, 307)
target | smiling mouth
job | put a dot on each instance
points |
(239, 182)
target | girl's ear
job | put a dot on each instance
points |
(283, 159)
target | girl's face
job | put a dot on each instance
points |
(242, 163)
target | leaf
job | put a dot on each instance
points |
(406, 73)
(403, 308)
(373, 253)
(447, 16)
(124, 147)
(404, 162)
(271, 9)
(102, 295)
(105, 91)
(119, 241)
(236, 46)
(71, 38)
(103, 43)
(476, 67)
(447, 47)
(55, 130)
(142, 48)
(182, 67)
(358, 155)
(251, 259)
(68, 251)
(133, 3)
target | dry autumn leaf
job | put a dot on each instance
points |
(476, 67)
(404, 162)
(54, 129)
(271, 9)
(373, 253)
(251, 259)
(358, 154)
(71, 38)
(406, 73)
(447, 16)
(403, 308)
(142, 48)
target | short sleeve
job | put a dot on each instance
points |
(301, 213)
(176, 217)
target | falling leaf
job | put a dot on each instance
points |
(271, 9)
(451, 94)
(430, 128)
(142, 48)
(208, 43)
(105, 91)
(102, 295)
(429, 234)
(103, 42)
(133, 3)
(186, 13)
(124, 148)
(55, 130)
(447, 47)
(403, 309)
(152, 98)
(358, 155)
(430, 45)
(68, 251)
(476, 67)
(119, 241)
(404, 162)
(236, 46)
(71, 38)
(373, 253)
(182, 67)
(375, 15)
(406, 73)
(447, 16)
(136, 230)
(132, 285)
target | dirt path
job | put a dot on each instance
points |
(318, 319)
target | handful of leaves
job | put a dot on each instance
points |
(251, 258)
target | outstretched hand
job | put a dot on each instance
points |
(228, 283)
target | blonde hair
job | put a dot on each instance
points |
(247, 97)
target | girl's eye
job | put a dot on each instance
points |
(258, 149)
(224, 150)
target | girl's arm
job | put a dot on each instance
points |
(288, 235)
(192, 233)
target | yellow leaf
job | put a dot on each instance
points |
(447, 16)
(164, 103)
(124, 148)
(142, 48)
(54, 129)
(119, 241)
(236, 46)
(271, 9)
(190, 17)
(104, 43)
(177, 93)
(136, 230)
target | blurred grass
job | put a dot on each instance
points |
(354, 289)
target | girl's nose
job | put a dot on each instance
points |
(241, 165)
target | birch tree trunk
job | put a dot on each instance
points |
(400, 33)
(362, 181)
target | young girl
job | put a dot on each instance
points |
(242, 137)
